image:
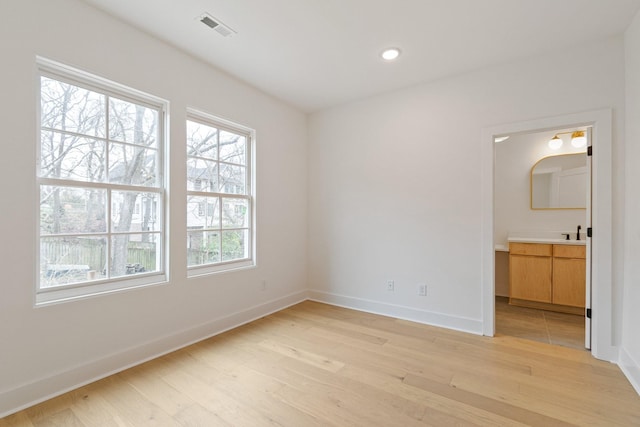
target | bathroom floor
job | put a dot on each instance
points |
(539, 325)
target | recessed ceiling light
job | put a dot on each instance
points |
(390, 54)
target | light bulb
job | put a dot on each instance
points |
(555, 143)
(578, 140)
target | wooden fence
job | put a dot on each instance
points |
(91, 252)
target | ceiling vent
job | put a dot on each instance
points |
(216, 24)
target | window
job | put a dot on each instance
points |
(100, 176)
(220, 213)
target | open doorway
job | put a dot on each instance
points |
(541, 195)
(600, 246)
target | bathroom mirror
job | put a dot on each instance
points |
(560, 182)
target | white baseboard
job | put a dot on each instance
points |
(26, 395)
(400, 312)
(631, 368)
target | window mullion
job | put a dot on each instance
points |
(99, 185)
(68, 235)
(109, 231)
(71, 133)
(212, 194)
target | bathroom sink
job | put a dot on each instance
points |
(551, 237)
(525, 239)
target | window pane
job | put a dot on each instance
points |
(232, 179)
(235, 245)
(202, 175)
(131, 165)
(203, 247)
(232, 147)
(70, 108)
(202, 140)
(66, 260)
(67, 210)
(134, 254)
(203, 212)
(71, 157)
(135, 211)
(235, 213)
(132, 123)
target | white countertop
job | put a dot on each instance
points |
(548, 237)
(546, 240)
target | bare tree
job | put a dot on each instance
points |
(76, 145)
(68, 113)
(137, 167)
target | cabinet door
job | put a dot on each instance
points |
(530, 277)
(569, 278)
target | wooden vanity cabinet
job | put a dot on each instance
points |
(569, 275)
(530, 271)
(547, 276)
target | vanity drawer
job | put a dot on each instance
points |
(534, 249)
(569, 251)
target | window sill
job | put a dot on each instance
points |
(204, 270)
(56, 295)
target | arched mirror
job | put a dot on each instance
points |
(560, 182)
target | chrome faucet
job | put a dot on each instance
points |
(578, 233)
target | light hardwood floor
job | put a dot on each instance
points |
(318, 365)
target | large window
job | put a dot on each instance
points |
(219, 195)
(100, 175)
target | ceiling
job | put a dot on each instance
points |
(316, 54)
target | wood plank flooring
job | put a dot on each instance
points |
(319, 365)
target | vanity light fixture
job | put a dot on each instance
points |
(578, 139)
(390, 54)
(499, 139)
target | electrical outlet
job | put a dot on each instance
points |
(391, 285)
(422, 289)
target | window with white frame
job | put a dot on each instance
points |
(219, 195)
(101, 185)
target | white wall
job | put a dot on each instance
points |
(630, 349)
(44, 350)
(514, 159)
(395, 181)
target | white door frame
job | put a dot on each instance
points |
(588, 299)
(602, 345)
